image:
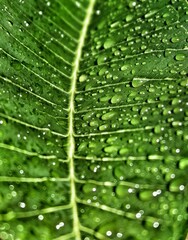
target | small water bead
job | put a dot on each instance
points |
(82, 147)
(158, 129)
(22, 204)
(119, 235)
(144, 110)
(121, 191)
(88, 188)
(109, 233)
(92, 145)
(150, 13)
(135, 121)
(183, 73)
(145, 195)
(176, 101)
(117, 53)
(88, 115)
(105, 99)
(183, 164)
(109, 43)
(26, 24)
(180, 57)
(156, 224)
(119, 173)
(125, 67)
(10, 23)
(132, 4)
(101, 59)
(82, 78)
(124, 151)
(109, 75)
(111, 149)
(129, 18)
(176, 185)
(143, 47)
(79, 98)
(77, 4)
(175, 39)
(111, 140)
(108, 115)
(138, 82)
(84, 125)
(60, 225)
(116, 99)
(181, 187)
(94, 124)
(184, 83)
(40, 217)
(115, 24)
(103, 127)
(102, 71)
(98, 12)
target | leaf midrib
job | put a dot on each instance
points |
(71, 141)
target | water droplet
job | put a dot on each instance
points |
(138, 82)
(116, 99)
(184, 83)
(132, 4)
(109, 43)
(98, 12)
(129, 18)
(87, 116)
(156, 224)
(40, 217)
(145, 195)
(101, 59)
(180, 57)
(175, 39)
(94, 123)
(183, 163)
(124, 67)
(103, 127)
(60, 225)
(108, 233)
(77, 4)
(135, 121)
(124, 151)
(108, 115)
(82, 147)
(26, 24)
(22, 204)
(82, 78)
(111, 149)
(121, 191)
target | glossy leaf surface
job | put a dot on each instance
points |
(93, 119)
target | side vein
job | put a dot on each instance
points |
(71, 142)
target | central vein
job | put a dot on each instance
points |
(71, 142)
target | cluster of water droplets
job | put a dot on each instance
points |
(131, 120)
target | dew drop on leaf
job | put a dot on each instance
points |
(108, 115)
(180, 57)
(116, 99)
(108, 43)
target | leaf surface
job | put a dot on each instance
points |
(93, 119)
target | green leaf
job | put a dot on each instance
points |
(93, 119)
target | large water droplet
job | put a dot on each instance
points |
(108, 115)
(180, 57)
(109, 43)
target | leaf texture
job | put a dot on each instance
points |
(93, 119)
